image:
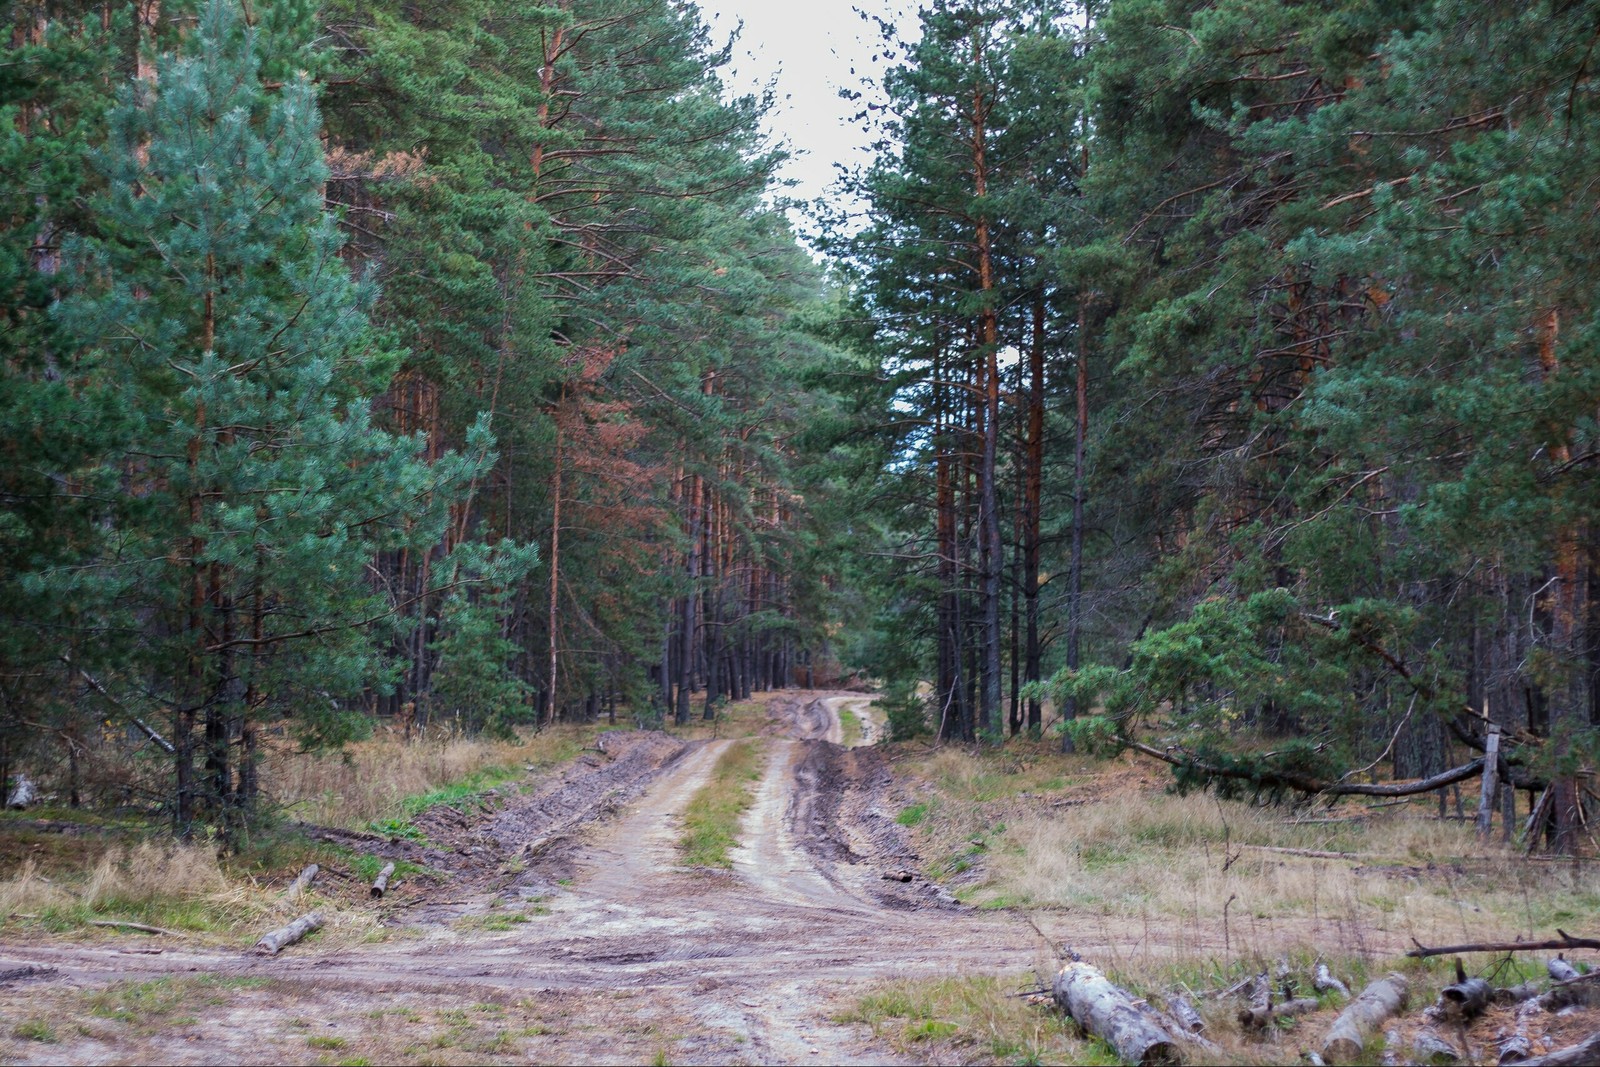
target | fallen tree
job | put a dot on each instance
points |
(1565, 941)
(1265, 778)
(1584, 1052)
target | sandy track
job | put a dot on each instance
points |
(743, 966)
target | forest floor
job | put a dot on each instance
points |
(554, 919)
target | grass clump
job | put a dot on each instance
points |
(35, 1030)
(972, 1020)
(915, 815)
(388, 778)
(849, 724)
(168, 884)
(711, 821)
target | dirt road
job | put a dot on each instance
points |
(571, 932)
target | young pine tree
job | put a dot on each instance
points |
(219, 304)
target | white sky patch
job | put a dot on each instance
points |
(813, 49)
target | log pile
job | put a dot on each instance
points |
(1472, 1021)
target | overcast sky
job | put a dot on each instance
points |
(811, 48)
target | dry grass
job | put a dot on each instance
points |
(168, 884)
(1163, 879)
(972, 1020)
(740, 718)
(373, 780)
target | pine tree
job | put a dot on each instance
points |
(218, 304)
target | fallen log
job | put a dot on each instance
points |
(1260, 1019)
(1184, 1014)
(381, 883)
(1323, 981)
(141, 927)
(1111, 1014)
(1391, 1048)
(1560, 969)
(1428, 1046)
(1519, 1046)
(1583, 1053)
(1569, 989)
(302, 881)
(1516, 994)
(1566, 941)
(276, 941)
(1377, 1002)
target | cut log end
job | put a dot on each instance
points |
(381, 884)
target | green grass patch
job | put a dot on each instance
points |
(849, 725)
(711, 821)
(35, 1030)
(472, 787)
(915, 815)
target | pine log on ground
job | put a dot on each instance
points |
(1184, 1014)
(302, 881)
(1560, 970)
(1516, 994)
(1570, 987)
(1583, 1054)
(1380, 1000)
(1519, 1046)
(276, 941)
(1112, 1014)
(1428, 1046)
(381, 884)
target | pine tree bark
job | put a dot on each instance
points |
(1032, 497)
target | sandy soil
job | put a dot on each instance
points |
(568, 931)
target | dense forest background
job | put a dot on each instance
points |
(1218, 378)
